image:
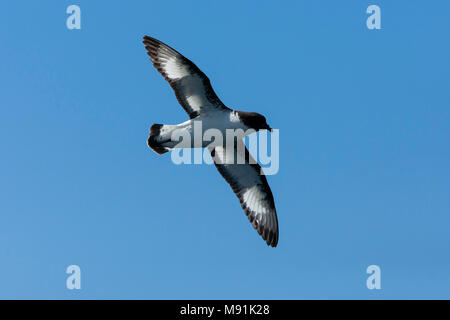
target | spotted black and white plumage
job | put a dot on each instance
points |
(249, 184)
(192, 87)
(196, 95)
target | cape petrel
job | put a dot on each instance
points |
(196, 95)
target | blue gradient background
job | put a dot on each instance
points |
(364, 154)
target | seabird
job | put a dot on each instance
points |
(196, 95)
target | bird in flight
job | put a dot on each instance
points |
(197, 97)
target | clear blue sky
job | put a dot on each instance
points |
(364, 155)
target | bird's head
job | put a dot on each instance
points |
(254, 121)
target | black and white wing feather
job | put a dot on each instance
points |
(243, 174)
(192, 87)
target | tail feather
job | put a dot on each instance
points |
(155, 131)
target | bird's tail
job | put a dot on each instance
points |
(156, 140)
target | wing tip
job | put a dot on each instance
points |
(151, 43)
(148, 38)
(273, 241)
(269, 235)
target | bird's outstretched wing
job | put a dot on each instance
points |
(192, 87)
(251, 187)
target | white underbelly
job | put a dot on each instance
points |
(206, 130)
